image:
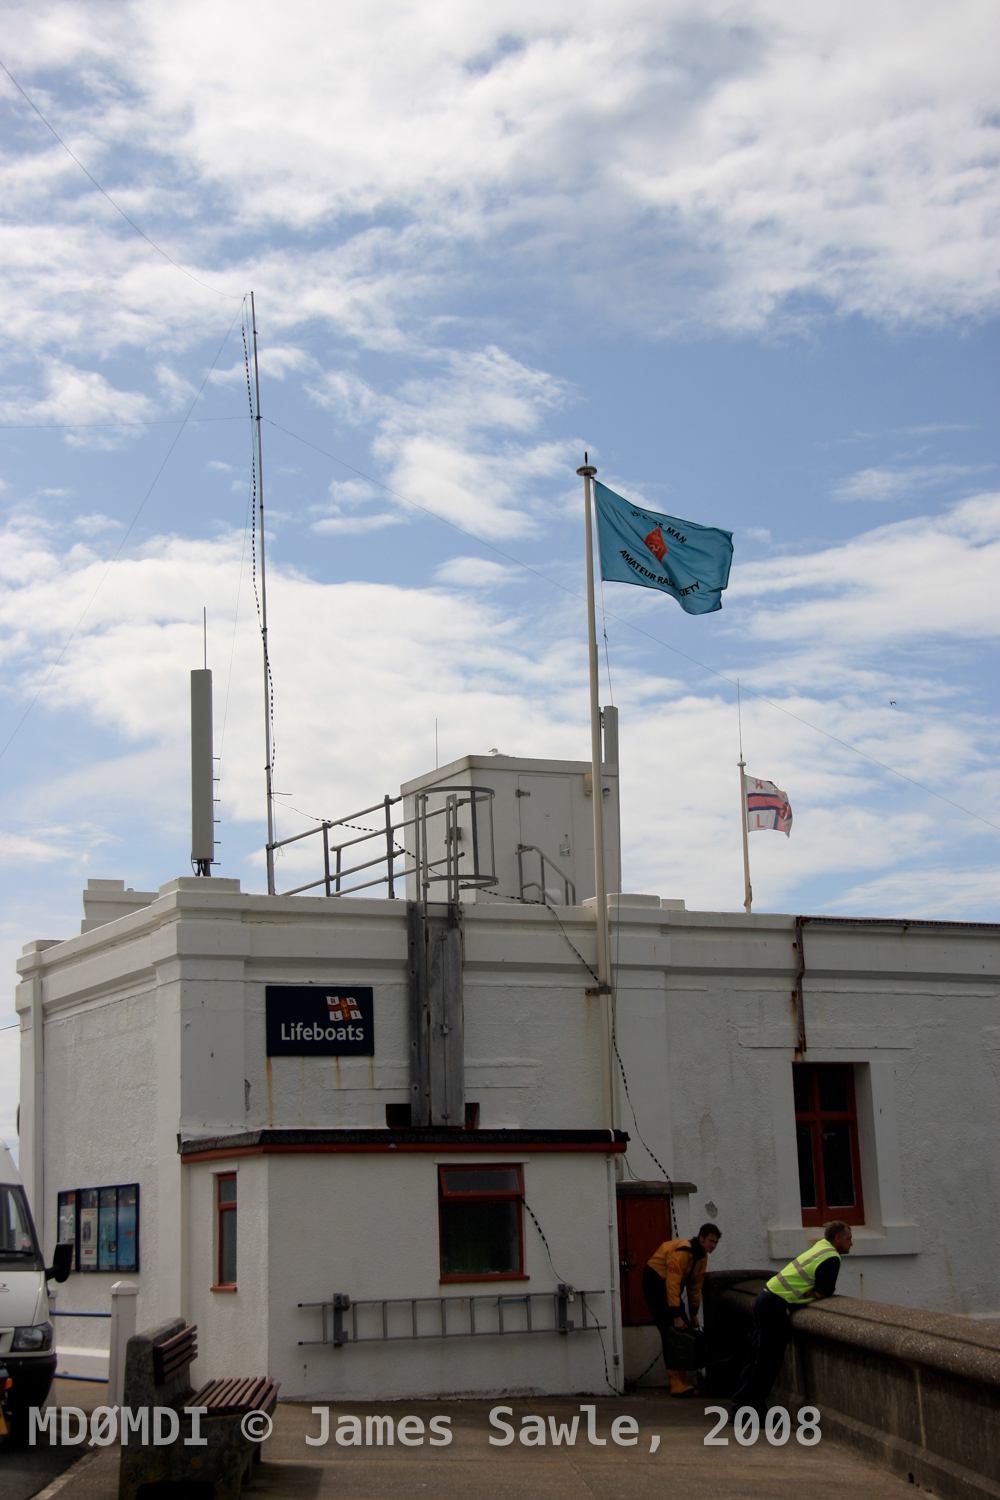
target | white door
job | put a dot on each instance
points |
(545, 808)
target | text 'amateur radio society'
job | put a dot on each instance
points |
(314, 1020)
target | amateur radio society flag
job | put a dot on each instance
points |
(687, 561)
(767, 806)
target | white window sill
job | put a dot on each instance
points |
(893, 1239)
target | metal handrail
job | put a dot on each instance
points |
(426, 869)
(539, 885)
(335, 1310)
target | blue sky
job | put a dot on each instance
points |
(743, 254)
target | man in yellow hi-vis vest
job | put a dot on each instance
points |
(808, 1278)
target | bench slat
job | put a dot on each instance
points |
(239, 1396)
(236, 1395)
(175, 1354)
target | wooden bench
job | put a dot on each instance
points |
(157, 1373)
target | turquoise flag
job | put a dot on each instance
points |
(687, 561)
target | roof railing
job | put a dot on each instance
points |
(412, 840)
(540, 885)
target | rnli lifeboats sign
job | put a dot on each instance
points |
(315, 1020)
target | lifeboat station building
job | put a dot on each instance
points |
(376, 1137)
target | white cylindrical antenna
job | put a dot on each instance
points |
(202, 784)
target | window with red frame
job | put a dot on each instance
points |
(226, 1204)
(826, 1130)
(481, 1228)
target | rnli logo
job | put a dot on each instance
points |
(342, 1008)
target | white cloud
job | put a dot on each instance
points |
(356, 525)
(941, 891)
(659, 165)
(352, 492)
(915, 580)
(75, 395)
(95, 524)
(461, 440)
(489, 679)
(893, 484)
(475, 573)
(274, 360)
(35, 850)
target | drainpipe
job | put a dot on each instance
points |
(800, 1014)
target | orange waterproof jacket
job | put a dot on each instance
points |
(681, 1263)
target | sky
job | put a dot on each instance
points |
(744, 255)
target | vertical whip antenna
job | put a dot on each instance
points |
(268, 688)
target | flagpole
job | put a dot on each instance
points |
(603, 989)
(748, 888)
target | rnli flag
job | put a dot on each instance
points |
(767, 806)
(688, 561)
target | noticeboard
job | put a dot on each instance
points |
(315, 1020)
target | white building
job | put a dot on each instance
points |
(273, 1170)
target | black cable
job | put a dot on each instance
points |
(545, 1242)
(604, 1352)
(635, 1122)
(114, 205)
(621, 1065)
(652, 1362)
(236, 618)
(338, 823)
(253, 561)
(566, 935)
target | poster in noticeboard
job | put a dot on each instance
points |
(107, 1230)
(66, 1233)
(127, 1246)
(88, 1229)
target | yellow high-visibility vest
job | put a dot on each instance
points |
(799, 1276)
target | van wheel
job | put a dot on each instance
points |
(17, 1427)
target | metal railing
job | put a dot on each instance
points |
(459, 869)
(569, 887)
(388, 1320)
(56, 1312)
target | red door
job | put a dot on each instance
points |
(643, 1225)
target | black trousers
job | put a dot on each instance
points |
(654, 1289)
(772, 1329)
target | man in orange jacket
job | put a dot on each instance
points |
(678, 1265)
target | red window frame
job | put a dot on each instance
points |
(816, 1118)
(446, 1194)
(221, 1209)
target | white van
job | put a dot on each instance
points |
(27, 1338)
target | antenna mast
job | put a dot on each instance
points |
(263, 615)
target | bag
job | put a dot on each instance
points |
(684, 1349)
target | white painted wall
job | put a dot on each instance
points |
(154, 1023)
(351, 1237)
(545, 803)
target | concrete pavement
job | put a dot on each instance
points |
(469, 1465)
